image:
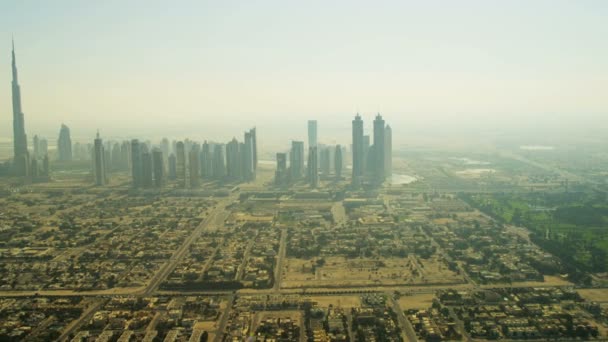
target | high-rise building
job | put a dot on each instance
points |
(254, 142)
(219, 162)
(172, 167)
(280, 175)
(206, 161)
(367, 164)
(158, 164)
(248, 155)
(194, 165)
(379, 150)
(312, 133)
(125, 156)
(338, 162)
(180, 154)
(233, 160)
(36, 143)
(43, 147)
(20, 153)
(147, 167)
(358, 152)
(388, 151)
(296, 160)
(99, 162)
(137, 171)
(324, 160)
(64, 144)
(116, 163)
(313, 167)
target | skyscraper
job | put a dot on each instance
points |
(379, 151)
(172, 167)
(180, 155)
(248, 156)
(21, 156)
(206, 161)
(146, 166)
(36, 143)
(388, 151)
(194, 165)
(312, 133)
(137, 171)
(254, 141)
(219, 162)
(313, 173)
(296, 160)
(233, 158)
(99, 159)
(358, 155)
(280, 175)
(158, 166)
(324, 160)
(64, 144)
(338, 162)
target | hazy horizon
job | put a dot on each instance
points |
(432, 69)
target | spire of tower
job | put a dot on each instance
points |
(14, 60)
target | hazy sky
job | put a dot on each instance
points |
(210, 67)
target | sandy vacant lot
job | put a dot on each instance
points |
(343, 272)
(594, 295)
(418, 301)
(337, 301)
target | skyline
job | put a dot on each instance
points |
(428, 66)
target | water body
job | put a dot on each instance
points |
(474, 172)
(536, 147)
(468, 161)
(398, 179)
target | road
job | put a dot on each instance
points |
(214, 219)
(407, 331)
(278, 269)
(219, 334)
(86, 315)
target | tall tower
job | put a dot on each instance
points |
(338, 162)
(64, 144)
(312, 133)
(296, 160)
(358, 155)
(379, 150)
(21, 157)
(313, 167)
(137, 170)
(388, 151)
(99, 162)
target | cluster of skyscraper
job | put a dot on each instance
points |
(190, 163)
(371, 162)
(323, 158)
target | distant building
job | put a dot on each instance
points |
(206, 161)
(388, 151)
(296, 160)
(21, 157)
(64, 144)
(358, 152)
(194, 165)
(172, 167)
(147, 167)
(312, 133)
(158, 165)
(379, 149)
(325, 160)
(280, 175)
(137, 171)
(219, 162)
(313, 169)
(99, 162)
(233, 160)
(338, 162)
(180, 154)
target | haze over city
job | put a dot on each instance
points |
(338, 171)
(472, 66)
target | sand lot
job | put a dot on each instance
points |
(343, 272)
